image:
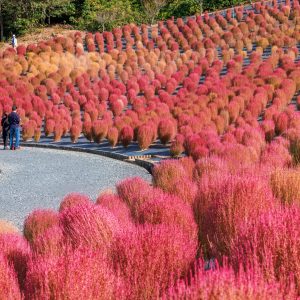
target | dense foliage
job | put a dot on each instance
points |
(19, 16)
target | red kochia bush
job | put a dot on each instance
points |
(16, 251)
(177, 147)
(75, 133)
(272, 241)
(167, 173)
(38, 222)
(58, 132)
(126, 135)
(115, 204)
(74, 199)
(113, 136)
(9, 288)
(51, 242)
(169, 210)
(49, 127)
(91, 226)
(276, 155)
(166, 131)
(99, 130)
(134, 192)
(151, 258)
(88, 130)
(209, 166)
(79, 274)
(185, 189)
(224, 203)
(145, 136)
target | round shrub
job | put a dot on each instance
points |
(16, 252)
(176, 149)
(270, 240)
(113, 136)
(285, 185)
(209, 280)
(115, 204)
(126, 135)
(134, 192)
(151, 258)
(166, 131)
(169, 210)
(7, 227)
(79, 274)
(90, 226)
(38, 222)
(145, 136)
(167, 173)
(75, 133)
(224, 202)
(9, 288)
(99, 130)
(74, 199)
(87, 130)
(51, 242)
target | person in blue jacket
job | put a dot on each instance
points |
(14, 129)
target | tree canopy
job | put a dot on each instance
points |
(19, 16)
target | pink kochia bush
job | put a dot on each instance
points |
(91, 226)
(119, 208)
(38, 222)
(224, 202)
(271, 240)
(211, 281)
(74, 199)
(51, 242)
(145, 136)
(167, 173)
(112, 136)
(151, 258)
(73, 274)
(16, 252)
(166, 131)
(169, 210)
(134, 192)
(9, 288)
(172, 177)
(126, 135)
(99, 130)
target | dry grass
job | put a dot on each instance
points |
(7, 227)
(42, 34)
(286, 185)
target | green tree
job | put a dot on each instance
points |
(14, 17)
(181, 8)
(104, 15)
(46, 9)
(152, 9)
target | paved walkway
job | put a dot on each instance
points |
(39, 178)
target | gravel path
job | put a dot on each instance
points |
(39, 178)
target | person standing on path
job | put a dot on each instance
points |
(14, 127)
(5, 129)
(14, 42)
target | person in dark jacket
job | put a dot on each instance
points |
(14, 129)
(5, 129)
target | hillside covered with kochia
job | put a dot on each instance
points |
(221, 222)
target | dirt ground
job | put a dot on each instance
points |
(41, 34)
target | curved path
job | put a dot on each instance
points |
(39, 178)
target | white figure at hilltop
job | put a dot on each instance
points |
(14, 41)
